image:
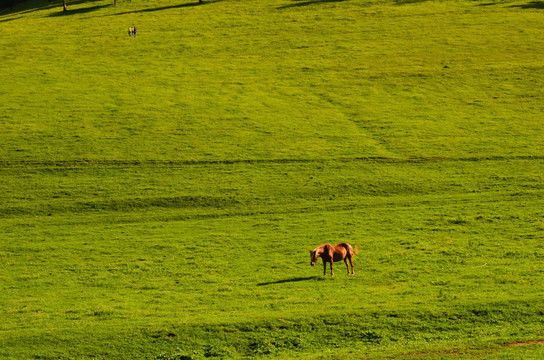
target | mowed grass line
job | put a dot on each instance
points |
(160, 193)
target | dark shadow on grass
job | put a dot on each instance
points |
(6, 20)
(25, 7)
(79, 10)
(298, 3)
(290, 280)
(408, 2)
(178, 6)
(530, 5)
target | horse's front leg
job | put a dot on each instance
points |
(324, 268)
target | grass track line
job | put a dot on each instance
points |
(369, 159)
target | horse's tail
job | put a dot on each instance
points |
(352, 251)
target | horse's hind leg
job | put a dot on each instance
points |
(346, 262)
(351, 263)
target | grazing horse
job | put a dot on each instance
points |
(330, 254)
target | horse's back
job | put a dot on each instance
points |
(348, 247)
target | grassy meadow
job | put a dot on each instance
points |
(159, 193)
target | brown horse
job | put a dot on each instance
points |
(330, 254)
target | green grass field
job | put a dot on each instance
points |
(159, 194)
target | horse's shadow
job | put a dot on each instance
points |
(290, 280)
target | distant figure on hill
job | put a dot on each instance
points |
(130, 30)
(134, 31)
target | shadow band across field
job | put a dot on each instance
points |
(539, 5)
(176, 6)
(79, 10)
(298, 3)
(530, 5)
(290, 280)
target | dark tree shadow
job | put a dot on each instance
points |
(31, 6)
(178, 6)
(298, 3)
(530, 5)
(6, 20)
(290, 280)
(78, 10)
(25, 7)
(408, 2)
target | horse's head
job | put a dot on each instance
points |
(314, 255)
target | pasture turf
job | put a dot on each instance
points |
(159, 194)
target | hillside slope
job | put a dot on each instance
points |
(160, 193)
